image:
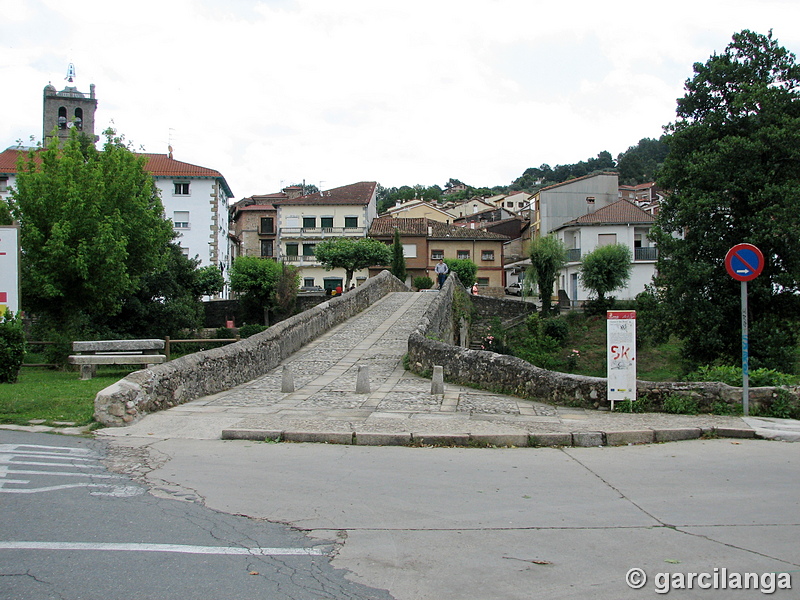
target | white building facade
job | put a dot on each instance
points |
(306, 221)
(619, 223)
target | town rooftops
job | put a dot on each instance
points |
(162, 166)
(355, 193)
(430, 228)
(619, 212)
(158, 165)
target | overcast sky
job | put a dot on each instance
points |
(401, 92)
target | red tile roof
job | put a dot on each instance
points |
(8, 160)
(430, 228)
(619, 212)
(355, 193)
(159, 165)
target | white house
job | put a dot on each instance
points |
(196, 200)
(621, 222)
(305, 221)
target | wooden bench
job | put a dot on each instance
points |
(115, 352)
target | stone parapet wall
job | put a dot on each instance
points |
(213, 371)
(430, 344)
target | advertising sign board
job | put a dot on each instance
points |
(621, 355)
(9, 269)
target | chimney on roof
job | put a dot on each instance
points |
(590, 203)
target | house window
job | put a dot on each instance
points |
(483, 281)
(308, 249)
(180, 219)
(309, 222)
(410, 250)
(293, 221)
(487, 255)
(267, 248)
(181, 188)
(267, 225)
(606, 239)
(308, 282)
(292, 249)
(326, 222)
(3, 184)
(462, 254)
(351, 222)
(437, 254)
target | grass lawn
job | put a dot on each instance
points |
(53, 396)
(588, 336)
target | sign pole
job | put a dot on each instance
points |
(744, 262)
(745, 355)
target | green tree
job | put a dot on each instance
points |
(733, 169)
(398, 258)
(286, 289)
(352, 255)
(168, 300)
(548, 255)
(12, 347)
(606, 269)
(464, 268)
(640, 163)
(92, 227)
(256, 280)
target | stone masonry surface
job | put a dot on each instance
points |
(208, 372)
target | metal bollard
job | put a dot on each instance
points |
(362, 382)
(287, 380)
(437, 382)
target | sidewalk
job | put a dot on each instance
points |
(396, 407)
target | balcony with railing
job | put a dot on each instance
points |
(321, 232)
(574, 255)
(644, 254)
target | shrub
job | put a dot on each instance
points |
(248, 329)
(680, 405)
(733, 376)
(422, 283)
(223, 333)
(12, 347)
(556, 329)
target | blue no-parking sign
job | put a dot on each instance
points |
(744, 262)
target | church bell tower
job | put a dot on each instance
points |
(67, 109)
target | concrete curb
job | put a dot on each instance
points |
(576, 439)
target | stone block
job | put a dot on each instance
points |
(677, 434)
(550, 439)
(623, 438)
(519, 440)
(735, 432)
(587, 439)
(259, 435)
(371, 438)
(319, 437)
(441, 439)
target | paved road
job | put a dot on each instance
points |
(514, 523)
(70, 529)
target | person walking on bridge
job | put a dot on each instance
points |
(441, 272)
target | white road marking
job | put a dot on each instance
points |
(119, 491)
(174, 548)
(29, 455)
